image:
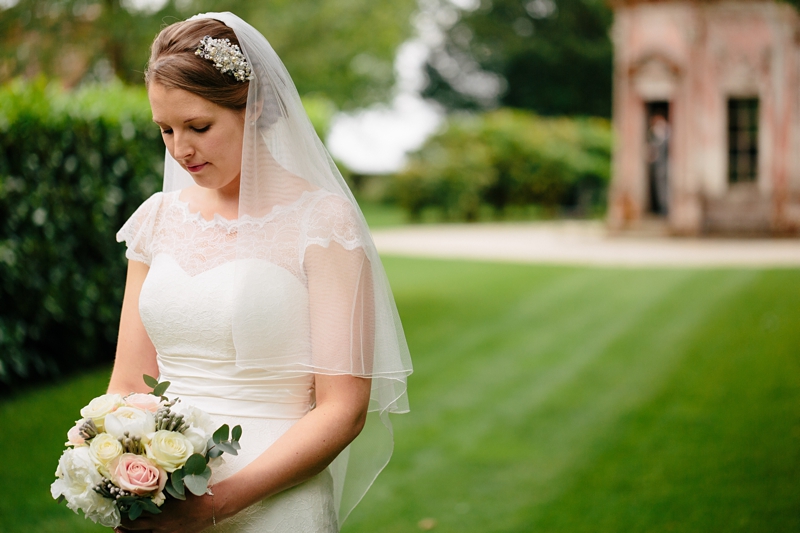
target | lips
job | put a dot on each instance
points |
(196, 168)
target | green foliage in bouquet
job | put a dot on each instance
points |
(194, 475)
(73, 167)
(504, 159)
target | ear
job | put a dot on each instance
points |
(255, 113)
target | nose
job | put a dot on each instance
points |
(182, 147)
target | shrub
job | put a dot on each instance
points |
(73, 167)
(507, 158)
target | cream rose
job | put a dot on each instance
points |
(135, 422)
(104, 448)
(136, 474)
(145, 402)
(169, 449)
(100, 407)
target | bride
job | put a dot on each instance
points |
(254, 287)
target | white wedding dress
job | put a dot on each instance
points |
(186, 306)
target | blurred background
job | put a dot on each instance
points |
(545, 397)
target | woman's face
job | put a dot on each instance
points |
(203, 137)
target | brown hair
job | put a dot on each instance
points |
(173, 63)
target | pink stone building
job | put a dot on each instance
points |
(706, 116)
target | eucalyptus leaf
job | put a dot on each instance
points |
(176, 482)
(221, 433)
(174, 493)
(196, 464)
(161, 388)
(227, 448)
(236, 434)
(150, 381)
(214, 452)
(148, 505)
(197, 484)
(135, 511)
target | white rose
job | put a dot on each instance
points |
(77, 477)
(77, 471)
(100, 407)
(198, 438)
(135, 422)
(195, 417)
(104, 448)
(169, 449)
(98, 509)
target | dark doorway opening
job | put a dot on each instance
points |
(658, 132)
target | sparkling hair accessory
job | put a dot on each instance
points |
(227, 57)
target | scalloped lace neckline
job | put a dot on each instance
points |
(228, 224)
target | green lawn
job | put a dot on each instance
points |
(548, 399)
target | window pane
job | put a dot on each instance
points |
(742, 139)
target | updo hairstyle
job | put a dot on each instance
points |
(174, 65)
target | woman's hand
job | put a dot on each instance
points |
(192, 515)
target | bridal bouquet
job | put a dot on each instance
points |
(128, 454)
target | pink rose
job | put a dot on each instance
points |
(74, 437)
(136, 474)
(145, 402)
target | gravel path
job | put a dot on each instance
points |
(580, 243)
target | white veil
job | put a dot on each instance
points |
(353, 326)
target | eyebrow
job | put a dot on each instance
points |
(185, 121)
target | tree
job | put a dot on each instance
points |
(551, 56)
(342, 50)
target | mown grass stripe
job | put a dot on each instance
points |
(555, 399)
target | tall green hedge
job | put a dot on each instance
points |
(73, 167)
(507, 158)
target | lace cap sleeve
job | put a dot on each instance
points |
(334, 219)
(137, 232)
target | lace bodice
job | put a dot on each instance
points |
(164, 224)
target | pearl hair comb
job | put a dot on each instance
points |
(226, 57)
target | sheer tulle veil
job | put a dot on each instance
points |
(353, 326)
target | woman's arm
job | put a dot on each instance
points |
(342, 328)
(305, 450)
(136, 354)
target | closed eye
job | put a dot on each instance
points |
(198, 130)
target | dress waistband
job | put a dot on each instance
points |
(221, 388)
(214, 405)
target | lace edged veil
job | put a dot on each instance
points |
(353, 326)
